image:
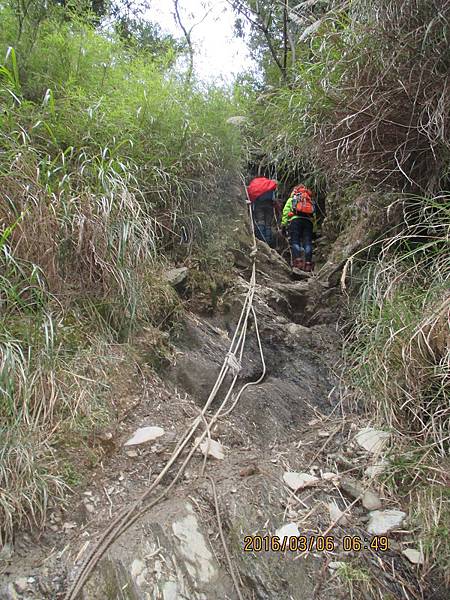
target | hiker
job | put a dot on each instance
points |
(299, 216)
(261, 193)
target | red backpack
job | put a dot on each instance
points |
(259, 186)
(302, 202)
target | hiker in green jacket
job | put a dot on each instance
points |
(299, 217)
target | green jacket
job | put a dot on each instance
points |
(285, 218)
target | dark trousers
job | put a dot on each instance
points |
(263, 217)
(301, 231)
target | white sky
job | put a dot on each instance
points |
(218, 53)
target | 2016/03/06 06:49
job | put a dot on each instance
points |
(318, 543)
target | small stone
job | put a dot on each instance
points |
(145, 434)
(132, 453)
(353, 487)
(323, 434)
(335, 566)
(31, 580)
(248, 471)
(372, 440)
(211, 448)
(336, 514)
(382, 521)
(137, 567)
(414, 556)
(328, 476)
(288, 530)
(299, 481)
(90, 508)
(370, 501)
(21, 584)
(176, 277)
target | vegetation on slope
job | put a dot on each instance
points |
(109, 162)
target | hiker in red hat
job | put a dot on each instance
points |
(261, 193)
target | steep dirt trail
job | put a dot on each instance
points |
(158, 557)
(291, 422)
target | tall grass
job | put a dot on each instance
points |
(400, 345)
(105, 154)
(368, 100)
(398, 362)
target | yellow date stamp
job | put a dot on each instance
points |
(314, 543)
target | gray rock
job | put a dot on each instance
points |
(299, 481)
(176, 277)
(371, 501)
(414, 556)
(168, 556)
(335, 566)
(352, 487)
(372, 440)
(21, 584)
(382, 521)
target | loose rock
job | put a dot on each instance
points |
(299, 481)
(382, 521)
(144, 434)
(414, 556)
(288, 530)
(336, 514)
(372, 440)
(371, 501)
(21, 584)
(175, 277)
(212, 448)
(352, 487)
(335, 565)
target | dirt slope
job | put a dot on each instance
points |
(290, 422)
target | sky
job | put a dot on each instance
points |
(218, 53)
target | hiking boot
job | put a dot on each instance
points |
(308, 267)
(298, 263)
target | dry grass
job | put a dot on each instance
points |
(27, 485)
(392, 107)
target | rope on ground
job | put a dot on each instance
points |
(128, 516)
(224, 544)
